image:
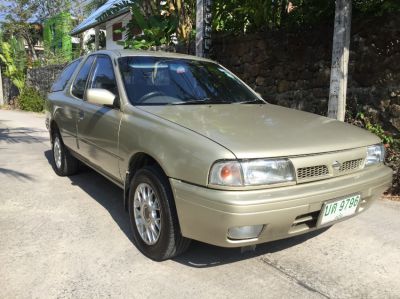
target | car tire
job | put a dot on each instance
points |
(153, 217)
(64, 164)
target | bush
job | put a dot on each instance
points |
(31, 100)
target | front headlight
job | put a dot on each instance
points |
(375, 154)
(252, 172)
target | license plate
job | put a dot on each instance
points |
(338, 209)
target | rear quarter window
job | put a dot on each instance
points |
(64, 77)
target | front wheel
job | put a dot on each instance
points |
(153, 216)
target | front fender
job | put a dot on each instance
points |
(182, 154)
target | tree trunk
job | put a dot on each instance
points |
(340, 60)
(31, 48)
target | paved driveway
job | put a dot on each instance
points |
(70, 238)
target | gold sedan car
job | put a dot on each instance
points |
(201, 156)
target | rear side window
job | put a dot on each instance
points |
(64, 77)
(78, 88)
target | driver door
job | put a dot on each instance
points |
(98, 125)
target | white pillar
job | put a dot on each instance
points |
(340, 60)
(96, 37)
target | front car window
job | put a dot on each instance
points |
(64, 77)
(78, 88)
(163, 81)
(103, 75)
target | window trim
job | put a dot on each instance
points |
(79, 60)
(90, 78)
(89, 75)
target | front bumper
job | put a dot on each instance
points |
(207, 214)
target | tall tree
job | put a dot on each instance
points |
(18, 22)
(340, 60)
(50, 8)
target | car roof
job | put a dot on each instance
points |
(128, 52)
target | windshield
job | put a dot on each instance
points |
(170, 81)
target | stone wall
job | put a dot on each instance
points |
(10, 91)
(43, 77)
(293, 68)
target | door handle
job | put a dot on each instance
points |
(81, 114)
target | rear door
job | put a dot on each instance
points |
(64, 106)
(98, 126)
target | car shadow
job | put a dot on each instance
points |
(199, 255)
(103, 191)
(202, 255)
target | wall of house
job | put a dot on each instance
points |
(110, 43)
(293, 68)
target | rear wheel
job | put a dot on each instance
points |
(64, 163)
(153, 216)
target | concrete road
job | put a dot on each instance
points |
(70, 238)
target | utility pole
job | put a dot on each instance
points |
(340, 60)
(203, 27)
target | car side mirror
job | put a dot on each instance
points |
(100, 96)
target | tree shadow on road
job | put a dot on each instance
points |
(21, 135)
(16, 174)
(199, 255)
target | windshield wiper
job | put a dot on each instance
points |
(253, 101)
(200, 102)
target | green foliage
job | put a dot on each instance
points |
(31, 100)
(157, 29)
(157, 26)
(392, 145)
(245, 16)
(18, 23)
(377, 129)
(376, 7)
(240, 16)
(57, 41)
(13, 56)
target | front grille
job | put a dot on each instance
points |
(351, 165)
(312, 172)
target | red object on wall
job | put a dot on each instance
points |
(117, 35)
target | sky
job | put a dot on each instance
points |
(2, 2)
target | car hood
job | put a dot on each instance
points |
(255, 131)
